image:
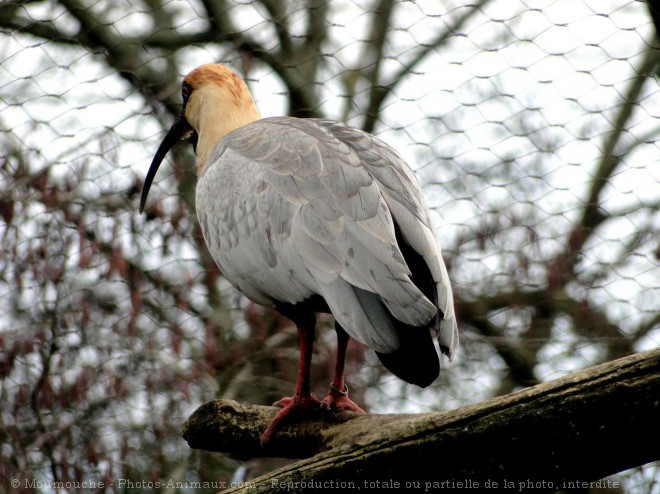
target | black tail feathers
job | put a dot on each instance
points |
(416, 360)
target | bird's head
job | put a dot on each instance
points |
(215, 102)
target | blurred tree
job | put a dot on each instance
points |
(117, 326)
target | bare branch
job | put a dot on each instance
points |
(45, 30)
(592, 215)
(380, 26)
(376, 102)
(278, 14)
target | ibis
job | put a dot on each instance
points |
(311, 216)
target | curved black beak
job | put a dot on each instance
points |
(181, 129)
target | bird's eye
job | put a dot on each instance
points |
(185, 92)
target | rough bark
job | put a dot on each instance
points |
(582, 427)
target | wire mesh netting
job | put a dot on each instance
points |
(532, 126)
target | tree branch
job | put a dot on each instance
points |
(298, 67)
(584, 427)
(563, 267)
(381, 93)
(373, 57)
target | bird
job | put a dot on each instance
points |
(310, 216)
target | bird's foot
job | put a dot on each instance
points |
(338, 401)
(291, 407)
(304, 401)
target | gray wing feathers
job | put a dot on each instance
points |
(416, 228)
(361, 314)
(406, 202)
(328, 194)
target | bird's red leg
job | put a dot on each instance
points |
(302, 401)
(337, 398)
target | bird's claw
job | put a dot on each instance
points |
(337, 401)
(291, 406)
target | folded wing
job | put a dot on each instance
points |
(329, 210)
